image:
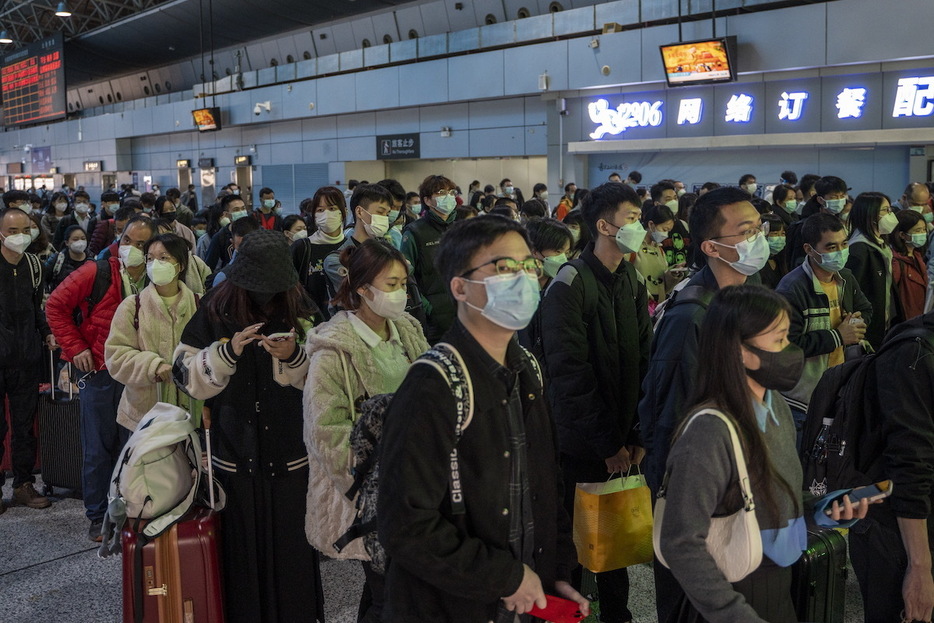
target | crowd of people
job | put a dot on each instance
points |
(589, 329)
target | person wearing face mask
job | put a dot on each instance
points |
(540, 192)
(413, 208)
(166, 209)
(266, 215)
(80, 311)
(370, 205)
(748, 183)
(68, 260)
(596, 338)
(785, 204)
(363, 351)
(829, 310)
(21, 337)
(327, 217)
(294, 228)
(513, 508)
(104, 232)
(908, 241)
(243, 350)
(112, 247)
(730, 249)
(568, 201)
(183, 214)
(917, 197)
(420, 245)
(551, 242)
(746, 334)
(509, 191)
(145, 329)
(777, 266)
(651, 260)
(830, 197)
(239, 230)
(216, 218)
(870, 260)
(58, 206)
(40, 246)
(396, 222)
(219, 249)
(579, 233)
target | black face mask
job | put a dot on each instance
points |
(169, 216)
(261, 299)
(777, 370)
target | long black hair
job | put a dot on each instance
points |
(864, 215)
(738, 314)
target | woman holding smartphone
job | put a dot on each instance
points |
(746, 333)
(242, 351)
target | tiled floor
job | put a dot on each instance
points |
(50, 573)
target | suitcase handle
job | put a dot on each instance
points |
(71, 391)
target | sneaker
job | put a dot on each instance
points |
(27, 495)
(94, 532)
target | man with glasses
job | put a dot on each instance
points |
(731, 248)
(596, 342)
(79, 312)
(420, 240)
(486, 539)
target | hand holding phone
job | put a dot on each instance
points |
(875, 492)
(280, 337)
(558, 610)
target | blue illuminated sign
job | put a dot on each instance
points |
(690, 111)
(791, 105)
(627, 115)
(914, 97)
(739, 108)
(850, 103)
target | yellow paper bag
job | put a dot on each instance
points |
(613, 523)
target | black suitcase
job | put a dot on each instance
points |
(60, 454)
(818, 585)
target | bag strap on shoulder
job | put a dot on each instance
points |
(35, 270)
(589, 281)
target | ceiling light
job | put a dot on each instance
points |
(62, 10)
(4, 37)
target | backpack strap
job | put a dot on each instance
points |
(35, 270)
(589, 280)
(102, 281)
(59, 262)
(445, 358)
(536, 367)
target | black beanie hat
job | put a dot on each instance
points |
(263, 264)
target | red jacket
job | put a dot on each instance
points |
(911, 280)
(72, 295)
(102, 236)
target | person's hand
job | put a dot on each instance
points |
(636, 454)
(918, 593)
(677, 270)
(84, 361)
(848, 510)
(619, 462)
(563, 589)
(242, 338)
(280, 348)
(50, 342)
(851, 333)
(529, 593)
(163, 373)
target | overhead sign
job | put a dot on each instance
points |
(242, 161)
(397, 147)
(32, 80)
(183, 164)
(92, 165)
(902, 99)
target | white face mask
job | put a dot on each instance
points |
(223, 221)
(160, 272)
(329, 221)
(752, 255)
(752, 188)
(60, 207)
(543, 195)
(659, 236)
(33, 232)
(378, 225)
(629, 237)
(78, 246)
(509, 190)
(299, 235)
(511, 300)
(445, 204)
(888, 223)
(672, 205)
(131, 256)
(82, 208)
(388, 305)
(17, 243)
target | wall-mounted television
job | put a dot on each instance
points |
(207, 119)
(700, 62)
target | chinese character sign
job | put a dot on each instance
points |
(914, 97)
(850, 103)
(791, 105)
(739, 108)
(690, 111)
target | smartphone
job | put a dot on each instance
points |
(280, 337)
(874, 492)
(558, 610)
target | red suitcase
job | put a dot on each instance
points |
(176, 577)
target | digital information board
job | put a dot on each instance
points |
(32, 82)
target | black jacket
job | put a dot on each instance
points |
(420, 242)
(67, 221)
(596, 357)
(23, 322)
(870, 268)
(901, 385)
(670, 377)
(447, 567)
(218, 250)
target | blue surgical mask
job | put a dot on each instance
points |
(776, 244)
(835, 260)
(445, 204)
(918, 240)
(928, 217)
(511, 300)
(551, 264)
(269, 203)
(835, 206)
(791, 205)
(393, 215)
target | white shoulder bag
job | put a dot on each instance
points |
(734, 542)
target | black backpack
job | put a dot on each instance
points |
(842, 441)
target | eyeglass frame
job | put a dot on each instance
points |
(763, 229)
(536, 263)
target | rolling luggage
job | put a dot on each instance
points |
(176, 577)
(60, 453)
(818, 585)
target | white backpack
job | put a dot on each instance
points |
(157, 477)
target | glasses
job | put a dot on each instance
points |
(509, 266)
(749, 234)
(441, 193)
(164, 258)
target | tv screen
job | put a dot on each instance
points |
(700, 62)
(207, 119)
